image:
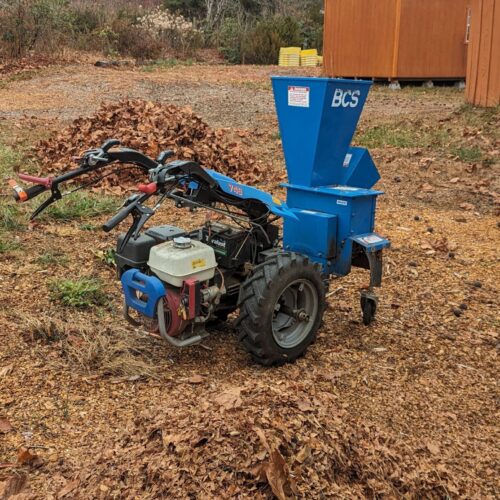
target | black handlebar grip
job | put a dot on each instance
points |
(117, 218)
(21, 194)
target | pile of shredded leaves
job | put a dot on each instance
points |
(149, 127)
(256, 441)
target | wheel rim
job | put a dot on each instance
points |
(294, 313)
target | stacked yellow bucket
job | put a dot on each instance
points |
(290, 56)
(309, 57)
(294, 56)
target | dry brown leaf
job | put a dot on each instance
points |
(196, 379)
(25, 457)
(5, 370)
(277, 475)
(5, 426)
(68, 488)
(467, 206)
(230, 399)
(14, 485)
(262, 438)
(305, 405)
(428, 188)
(433, 448)
(303, 454)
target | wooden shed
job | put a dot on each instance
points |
(396, 39)
(483, 64)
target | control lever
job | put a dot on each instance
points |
(143, 215)
(159, 175)
(164, 156)
(140, 214)
(110, 143)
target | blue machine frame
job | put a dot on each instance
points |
(330, 207)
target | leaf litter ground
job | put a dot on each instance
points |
(406, 407)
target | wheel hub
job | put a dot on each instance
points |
(295, 307)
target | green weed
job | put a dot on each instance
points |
(108, 257)
(7, 246)
(80, 206)
(253, 85)
(387, 135)
(52, 258)
(82, 293)
(9, 159)
(467, 154)
(10, 217)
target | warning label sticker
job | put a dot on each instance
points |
(298, 97)
(347, 160)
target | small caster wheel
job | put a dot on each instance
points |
(369, 308)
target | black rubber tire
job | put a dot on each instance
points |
(258, 296)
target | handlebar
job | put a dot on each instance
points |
(123, 213)
(117, 218)
(96, 159)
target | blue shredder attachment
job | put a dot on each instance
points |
(329, 189)
(317, 119)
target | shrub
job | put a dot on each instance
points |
(173, 30)
(188, 8)
(136, 42)
(263, 42)
(42, 25)
(230, 39)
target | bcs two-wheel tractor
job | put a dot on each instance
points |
(179, 281)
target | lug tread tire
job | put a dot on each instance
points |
(258, 295)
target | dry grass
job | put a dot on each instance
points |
(91, 350)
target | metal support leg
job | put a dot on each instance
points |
(369, 299)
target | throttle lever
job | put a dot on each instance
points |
(55, 196)
(164, 156)
(145, 215)
(110, 143)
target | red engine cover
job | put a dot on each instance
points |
(175, 324)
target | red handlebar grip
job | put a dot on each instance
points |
(42, 181)
(148, 188)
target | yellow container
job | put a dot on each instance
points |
(309, 57)
(289, 56)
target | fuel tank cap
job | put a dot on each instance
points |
(182, 242)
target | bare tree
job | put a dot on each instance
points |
(215, 11)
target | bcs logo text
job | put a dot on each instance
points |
(347, 98)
